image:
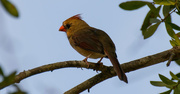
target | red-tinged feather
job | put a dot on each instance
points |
(78, 16)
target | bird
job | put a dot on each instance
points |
(91, 42)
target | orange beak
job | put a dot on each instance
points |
(62, 28)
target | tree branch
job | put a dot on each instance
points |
(127, 67)
(106, 72)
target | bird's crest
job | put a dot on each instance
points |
(78, 16)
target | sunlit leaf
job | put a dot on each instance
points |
(174, 26)
(150, 31)
(10, 8)
(177, 40)
(132, 5)
(173, 43)
(174, 76)
(165, 2)
(158, 83)
(167, 92)
(167, 81)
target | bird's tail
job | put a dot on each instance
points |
(119, 71)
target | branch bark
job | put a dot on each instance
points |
(127, 67)
(106, 72)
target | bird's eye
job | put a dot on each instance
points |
(68, 26)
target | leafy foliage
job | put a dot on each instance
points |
(173, 84)
(153, 18)
(151, 22)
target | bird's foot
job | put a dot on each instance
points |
(85, 60)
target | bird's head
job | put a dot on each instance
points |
(73, 23)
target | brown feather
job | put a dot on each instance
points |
(88, 40)
(119, 71)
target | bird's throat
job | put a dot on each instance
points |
(68, 34)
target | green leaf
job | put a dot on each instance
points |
(8, 80)
(10, 8)
(177, 90)
(174, 26)
(158, 83)
(167, 92)
(178, 75)
(132, 5)
(173, 43)
(154, 20)
(178, 12)
(178, 62)
(178, 34)
(154, 9)
(147, 23)
(165, 2)
(1, 71)
(174, 76)
(150, 31)
(169, 29)
(167, 81)
(177, 40)
(168, 19)
(11, 76)
(167, 9)
(178, 6)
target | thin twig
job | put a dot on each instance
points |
(170, 59)
(162, 20)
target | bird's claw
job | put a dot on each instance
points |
(85, 60)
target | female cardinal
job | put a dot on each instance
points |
(91, 42)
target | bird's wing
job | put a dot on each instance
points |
(88, 39)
